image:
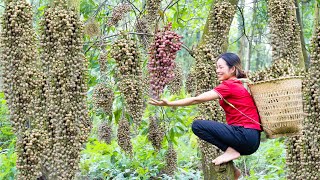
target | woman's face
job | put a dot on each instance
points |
(223, 71)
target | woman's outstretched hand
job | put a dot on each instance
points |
(162, 102)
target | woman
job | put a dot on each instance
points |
(241, 134)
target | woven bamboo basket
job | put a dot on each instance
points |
(280, 106)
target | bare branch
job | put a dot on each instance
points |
(243, 24)
(134, 6)
(136, 33)
(189, 50)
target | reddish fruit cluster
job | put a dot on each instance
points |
(162, 55)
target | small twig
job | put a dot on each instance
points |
(243, 25)
(106, 37)
(189, 50)
(236, 40)
(169, 6)
(99, 8)
(134, 6)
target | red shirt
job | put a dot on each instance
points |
(234, 92)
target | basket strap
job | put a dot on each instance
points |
(244, 114)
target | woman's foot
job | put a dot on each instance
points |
(227, 156)
(237, 173)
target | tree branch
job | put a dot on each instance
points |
(191, 52)
(134, 6)
(243, 24)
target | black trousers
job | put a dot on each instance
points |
(244, 140)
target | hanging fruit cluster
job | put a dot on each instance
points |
(103, 62)
(147, 23)
(285, 38)
(125, 52)
(214, 43)
(92, 28)
(103, 98)
(307, 164)
(152, 8)
(156, 133)
(22, 85)
(161, 62)
(171, 161)
(143, 28)
(279, 68)
(191, 82)
(105, 132)
(46, 97)
(285, 42)
(118, 13)
(175, 85)
(65, 73)
(124, 140)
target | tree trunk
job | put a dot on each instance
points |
(258, 60)
(213, 42)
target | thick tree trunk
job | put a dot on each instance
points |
(213, 42)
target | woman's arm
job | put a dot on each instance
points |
(206, 96)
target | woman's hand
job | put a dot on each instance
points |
(162, 102)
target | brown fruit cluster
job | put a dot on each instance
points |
(306, 164)
(152, 8)
(279, 68)
(103, 62)
(125, 52)
(92, 28)
(124, 140)
(46, 97)
(65, 74)
(22, 85)
(191, 82)
(156, 133)
(105, 133)
(171, 161)
(162, 59)
(213, 44)
(118, 13)
(285, 39)
(142, 27)
(176, 84)
(103, 98)
(145, 85)
(29, 148)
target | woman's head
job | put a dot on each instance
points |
(229, 66)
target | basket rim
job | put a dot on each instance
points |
(277, 79)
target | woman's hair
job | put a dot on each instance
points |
(233, 60)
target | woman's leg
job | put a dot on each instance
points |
(209, 131)
(221, 135)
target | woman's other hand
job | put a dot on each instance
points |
(162, 102)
